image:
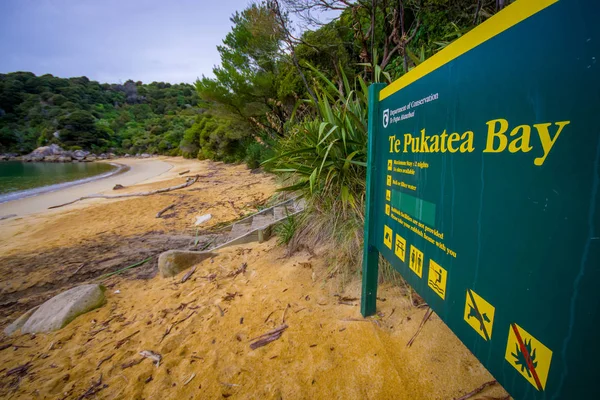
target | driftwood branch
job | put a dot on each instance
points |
(190, 182)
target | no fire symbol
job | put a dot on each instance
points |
(528, 356)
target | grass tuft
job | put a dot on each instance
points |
(286, 229)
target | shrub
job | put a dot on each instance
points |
(257, 153)
(324, 158)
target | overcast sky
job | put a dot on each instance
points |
(115, 40)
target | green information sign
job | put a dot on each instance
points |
(483, 192)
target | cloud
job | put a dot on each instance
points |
(115, 40)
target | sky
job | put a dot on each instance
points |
(115, 40)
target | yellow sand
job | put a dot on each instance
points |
(328, 350)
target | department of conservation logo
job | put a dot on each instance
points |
(386, 117)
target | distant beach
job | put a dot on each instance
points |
(35, 186)
(129, 172)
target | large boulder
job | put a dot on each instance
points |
(172, 262)
(46, 153)
(52, 150)
(80, 154)
(57, 312)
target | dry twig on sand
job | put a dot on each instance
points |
(125, 339)
(188, 380)
(284, 312)
(477, 391)
(175, 323)
(269, 316)
(104, 360)
(240, 270)
(268, 337)
(355, 320)
(79, 268)
(20, 370)
(188, 274)
(230, 296)
(343, 299)
(189, 182)
(132, 363)
(95, 388)
(425, 318)
(164, 210)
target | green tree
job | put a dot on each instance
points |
(245, 90)
(79, 129)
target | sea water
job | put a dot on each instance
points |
(22, 179)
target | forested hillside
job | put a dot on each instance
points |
(77, 113)
(284, 73)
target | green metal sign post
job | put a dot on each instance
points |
(483, 187)
(370, 253)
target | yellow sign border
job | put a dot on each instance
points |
(507, 18)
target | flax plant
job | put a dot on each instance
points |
(325, 159)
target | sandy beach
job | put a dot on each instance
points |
(203, 328)
(139, 170)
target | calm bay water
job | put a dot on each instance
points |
(19, 179)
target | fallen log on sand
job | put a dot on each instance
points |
(189, 182)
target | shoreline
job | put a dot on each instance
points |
(132, 172)
(23, 194)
